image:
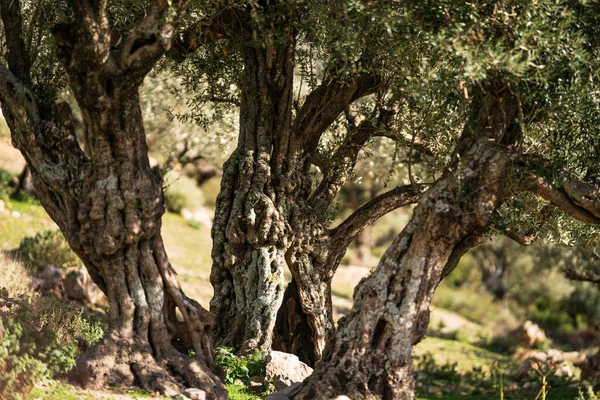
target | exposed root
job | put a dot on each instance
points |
(121, 363)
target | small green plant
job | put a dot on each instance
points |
(543, 371)
(40, 337)
(47, 248)
(27, 355)
(240, 369)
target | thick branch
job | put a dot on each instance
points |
(16, 55)
(583, 276)
(389, 201)
(577, 198)
(323, 105)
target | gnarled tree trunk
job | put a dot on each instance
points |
(370, 356)
(251, 232)
(109, 204)
(305, 319)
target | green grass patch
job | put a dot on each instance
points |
(240, 392)
(56, 390)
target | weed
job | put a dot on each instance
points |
(240, 369)
(587, 393)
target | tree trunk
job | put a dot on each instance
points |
(251, 232)
(109, 204)
(371, 354)
(305, 320)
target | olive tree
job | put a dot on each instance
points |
(527, 73)
(107, 202)
(311, 96)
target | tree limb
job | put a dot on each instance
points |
(323, 105)
(583, 276)
(577, 198)
(389, 201)
(16, 54)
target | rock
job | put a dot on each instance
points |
(195, 394)
(15, 214)
(545, 360)
(531, 386)
(2, 205)
(529, 334)
(204, 216)
(78, 285)
(284, 369)
(48, 282)
(256, 381)
(342, 398)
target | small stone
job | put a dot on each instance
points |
(286, 393)
(285, 369)
(15, 214)
(1, 205)
(256, 381)
(195, 394)
(342, 398)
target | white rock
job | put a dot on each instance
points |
(195, 394)
(284, 369)
(1, 205)
(15, 214)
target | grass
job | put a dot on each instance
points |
(56, 390)
(466, 355)
(14, 229)
(238, 392)
(189, 252)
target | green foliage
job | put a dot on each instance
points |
(240, 368)
(241, 392)
(47, 247)
(587, 393)
(40, 337)
(27, 354)
(447, 371)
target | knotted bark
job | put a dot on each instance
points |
(109, 203)
(251, 232)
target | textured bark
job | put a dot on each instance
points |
(305, 320)
(370, 355)
(251, 231)
(109, 206)
(266, 214)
